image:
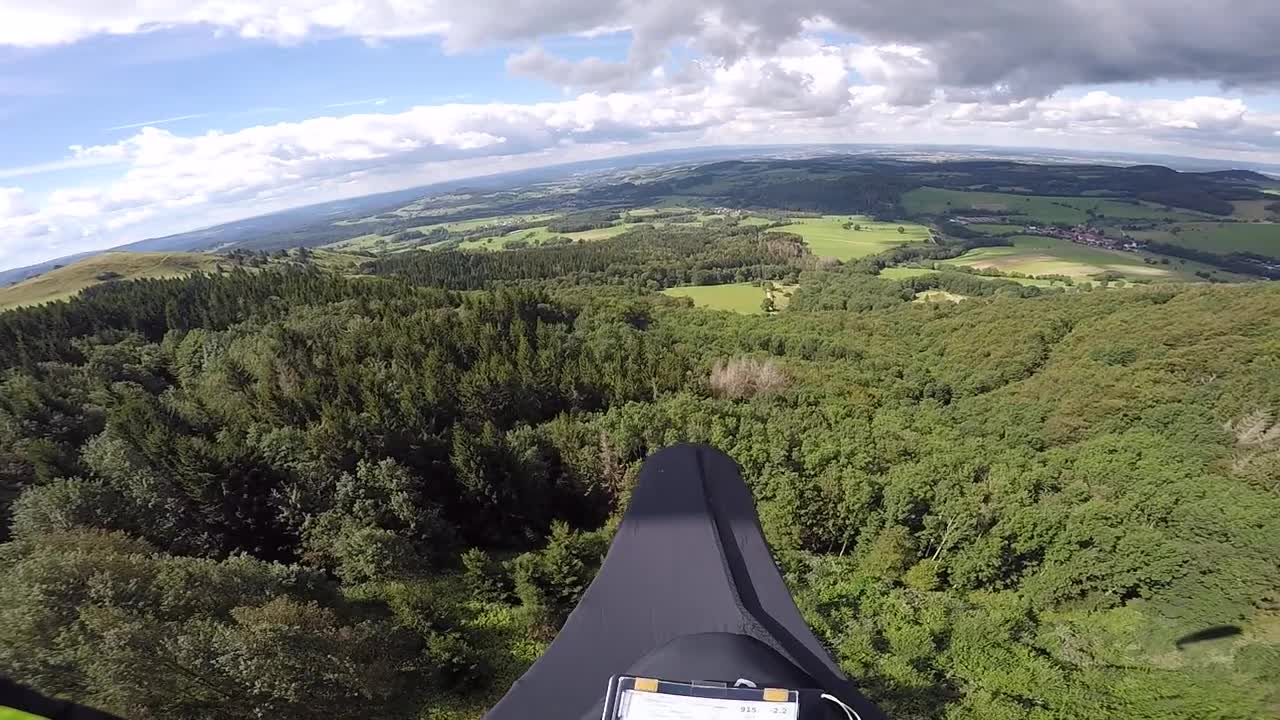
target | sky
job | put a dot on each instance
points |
(122, 120)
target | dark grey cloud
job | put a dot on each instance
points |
(1005, 48)
(1034, 48)
(588, 74)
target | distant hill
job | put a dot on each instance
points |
(317, 225)
(1244, 175)
(65, 282)
(291, 228)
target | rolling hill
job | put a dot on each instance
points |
(65, 282)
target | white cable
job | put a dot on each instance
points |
(848, 711)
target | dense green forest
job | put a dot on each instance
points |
(286, 493)
(654, 257)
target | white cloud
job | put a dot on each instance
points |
(56, 22)
(19, 224)
(12, 203)
(910, 76)
(802, 77)
(1208, 122)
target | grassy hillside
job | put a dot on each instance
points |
(1260, 238)
(64, 282)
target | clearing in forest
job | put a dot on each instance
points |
(747, 298)
(827, 236)
(930, 296)
(903, 273)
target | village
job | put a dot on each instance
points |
(1087, 235)
(1081, 234)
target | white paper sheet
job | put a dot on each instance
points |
(659, 706)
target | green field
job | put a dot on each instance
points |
(1036, 208)
(375, 242)
(649, 212)
(902, 273)
(337, 260)
(489, 243)
(386, 243)
(372, 242)
(498, 221)
(827, 237)
(737, 297)
(992, 229)
(64, 282)
(411, 212)
(702, 217)
(1249, 210)
(597, 233)
(1033, 255)
(1261, 238)
(537, 235)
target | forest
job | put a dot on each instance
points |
(655, 258)
(284, 492)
